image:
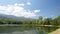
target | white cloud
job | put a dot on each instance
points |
(17, 10)
(36, 11)
(28, 3)
(19, 4)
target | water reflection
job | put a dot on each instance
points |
(23, 32)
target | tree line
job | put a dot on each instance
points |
(39, 21)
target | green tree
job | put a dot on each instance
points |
(56, 21)
(40, 22)
(40, 17)
(47, 21)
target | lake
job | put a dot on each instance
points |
(25, 30)
(21, 32)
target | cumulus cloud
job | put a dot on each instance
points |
(36, 11)
(17, 10)
(28, 3)
(19, 4)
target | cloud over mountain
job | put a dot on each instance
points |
(18, 10)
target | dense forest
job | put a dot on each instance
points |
(39, 21)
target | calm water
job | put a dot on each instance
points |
(20, 32)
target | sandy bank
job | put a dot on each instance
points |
(56, 31)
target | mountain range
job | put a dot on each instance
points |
(11, 17)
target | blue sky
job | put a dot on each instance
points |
(31, 8)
